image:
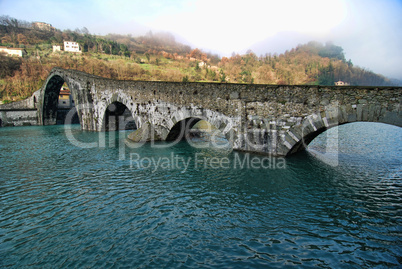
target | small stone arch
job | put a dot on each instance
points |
(184, 119)
(117, 116)
(181, 129)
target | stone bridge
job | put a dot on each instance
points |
(270, 119)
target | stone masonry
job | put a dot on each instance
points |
(271, 119)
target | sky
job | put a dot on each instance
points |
(370, 31)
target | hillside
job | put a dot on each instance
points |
(158, 56)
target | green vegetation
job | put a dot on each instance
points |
(159, 57)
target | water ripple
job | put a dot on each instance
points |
(63, 206)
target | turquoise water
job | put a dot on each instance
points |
(101, 205)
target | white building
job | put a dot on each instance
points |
(71, 46)
(13, 51)
(56, 48)
(341, 83)
(65, 98)
(43, 26)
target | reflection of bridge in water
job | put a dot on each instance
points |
(271, 119)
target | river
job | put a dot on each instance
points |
(67, 200)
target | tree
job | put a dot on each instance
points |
(7, 39)
(85, 47)
(198, 54)
(222, 76)
(327, 76)
(124, 50)
(332, 51)
(106, 48)
(85, 31)
(9, 22)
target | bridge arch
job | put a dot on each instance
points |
(300, 136)
(117, 112)
(184, 119)
(117, 117)
(181, 129)
(47, 101)
(50, 99)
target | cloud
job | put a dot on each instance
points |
(370, 35)
(233, 25)
(368, 30)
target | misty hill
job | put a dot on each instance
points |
(158, 56)
(312, 63)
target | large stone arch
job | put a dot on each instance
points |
(46, 99)
(298, 137)
(50, 99)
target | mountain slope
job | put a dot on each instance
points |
(158, 56)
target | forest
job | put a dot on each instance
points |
(159, 57)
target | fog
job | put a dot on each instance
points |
(369, 31)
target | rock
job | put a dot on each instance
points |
(204, 126)
(144, 134)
